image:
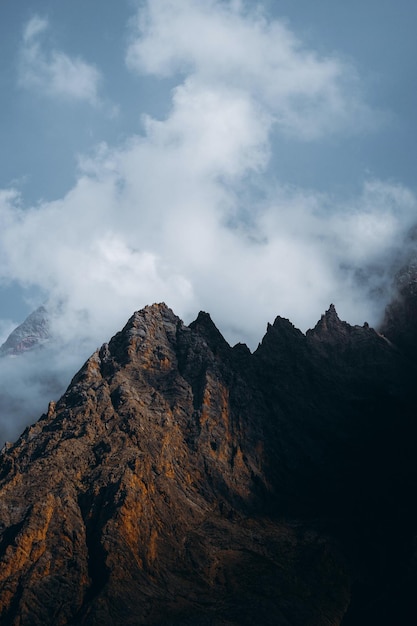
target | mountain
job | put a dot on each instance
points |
(399, 322)
(181, 481)
(32, 333)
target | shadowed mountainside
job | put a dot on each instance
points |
(180, 481)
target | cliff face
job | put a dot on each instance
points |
(182, 481)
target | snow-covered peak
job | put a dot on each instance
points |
(32, 333)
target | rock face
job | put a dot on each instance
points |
(180, 481)
(32, 333)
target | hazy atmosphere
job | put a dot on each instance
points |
(250, 159)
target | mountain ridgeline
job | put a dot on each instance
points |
(180, 481)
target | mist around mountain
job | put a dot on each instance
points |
(37, 363)
(40, 356)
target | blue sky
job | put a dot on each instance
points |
(246, 159)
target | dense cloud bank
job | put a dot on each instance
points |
(188, 211)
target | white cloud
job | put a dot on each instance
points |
(52, 72)
(34, 28)
(228, 43)
(186, 213)
(29, 383)
(6, 327)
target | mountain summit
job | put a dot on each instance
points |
(32, 333)
(180, 481)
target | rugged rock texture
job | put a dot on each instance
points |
(32, 333)
(180, 481)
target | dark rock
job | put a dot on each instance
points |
(182, 481)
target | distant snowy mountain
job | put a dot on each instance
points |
(32, 333)
(36, 365)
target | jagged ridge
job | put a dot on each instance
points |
(182, 481)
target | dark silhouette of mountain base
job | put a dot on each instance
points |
(180, 481)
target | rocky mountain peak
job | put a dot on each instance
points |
(181, 481)
(331, 316)
(330, 323)
(206, 328)
(34, 332)
(331, 330)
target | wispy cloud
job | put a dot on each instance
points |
(52, 72)
(216, 43)
(29, 383)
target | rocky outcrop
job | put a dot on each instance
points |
(181, 481)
